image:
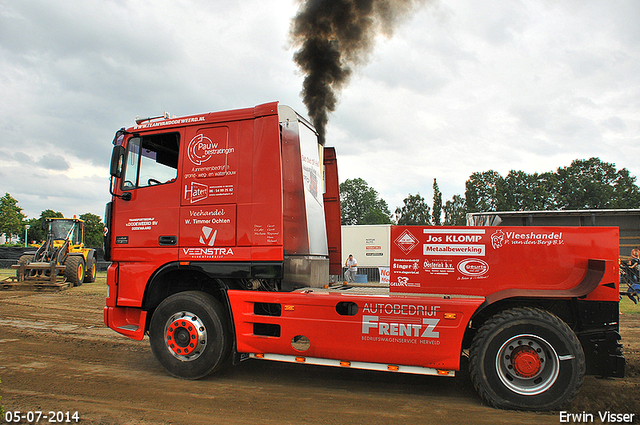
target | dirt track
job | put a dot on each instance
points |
(57, 355)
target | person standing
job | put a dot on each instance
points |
(634, 265)
(352, 268)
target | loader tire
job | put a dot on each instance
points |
(90, 273)
(25, 259)
(526, 359)
(74, 270)
(190, 334)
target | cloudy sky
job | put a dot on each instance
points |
(460, 87)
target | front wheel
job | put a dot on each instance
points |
(190, 334)
(25, 259)
(74, 270)
(526, 359)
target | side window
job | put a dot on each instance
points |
(77, 237)
(151, 160)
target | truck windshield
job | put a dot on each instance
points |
(151, 160)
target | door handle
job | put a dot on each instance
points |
(167, 240)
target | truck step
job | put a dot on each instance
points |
(353, 365)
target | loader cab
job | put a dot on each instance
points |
(62, 229)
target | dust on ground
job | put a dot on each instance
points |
(56, 355)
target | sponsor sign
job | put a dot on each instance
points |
(401, 323)
(500, 238)
(208, 253)
(473, 267)
(453, 249)
(141, 224)
(484, 260)
(210, 167)
(438, 266)
(384, 274)
(406, 266)
(208, 226)
(406, 241)
(201, 148)
(169, 122)
(196, 192)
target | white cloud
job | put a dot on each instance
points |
(460, 87)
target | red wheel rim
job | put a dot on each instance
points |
(185, 336)
(526, 362)
(182, 337)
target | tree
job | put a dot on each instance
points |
(584, 184)
(627, 193)
(528, 192)
(360, 204)
(595, 184)
(437, 204)
(484, 192)
(93, 230)
(414, 212)
(11, 217)
(455, 211)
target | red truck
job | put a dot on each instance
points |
(224, 232)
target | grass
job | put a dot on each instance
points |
(628, 307)
(101, 277)
(5, 273)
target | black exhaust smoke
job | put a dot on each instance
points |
(333, 36)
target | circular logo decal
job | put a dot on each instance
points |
(473, 267)
(198, 149)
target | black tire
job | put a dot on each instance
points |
(190, 334)
(526, 359)
(90, 273)
(25, 259)
(74, 270)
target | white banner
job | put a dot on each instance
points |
(384, 274)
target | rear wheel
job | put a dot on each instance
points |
(526, 359)
(190, 334)
(74, 270)
(90, 274)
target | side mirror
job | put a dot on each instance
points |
(119, 137)
(117, 158)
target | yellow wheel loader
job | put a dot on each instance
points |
(61, 258)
